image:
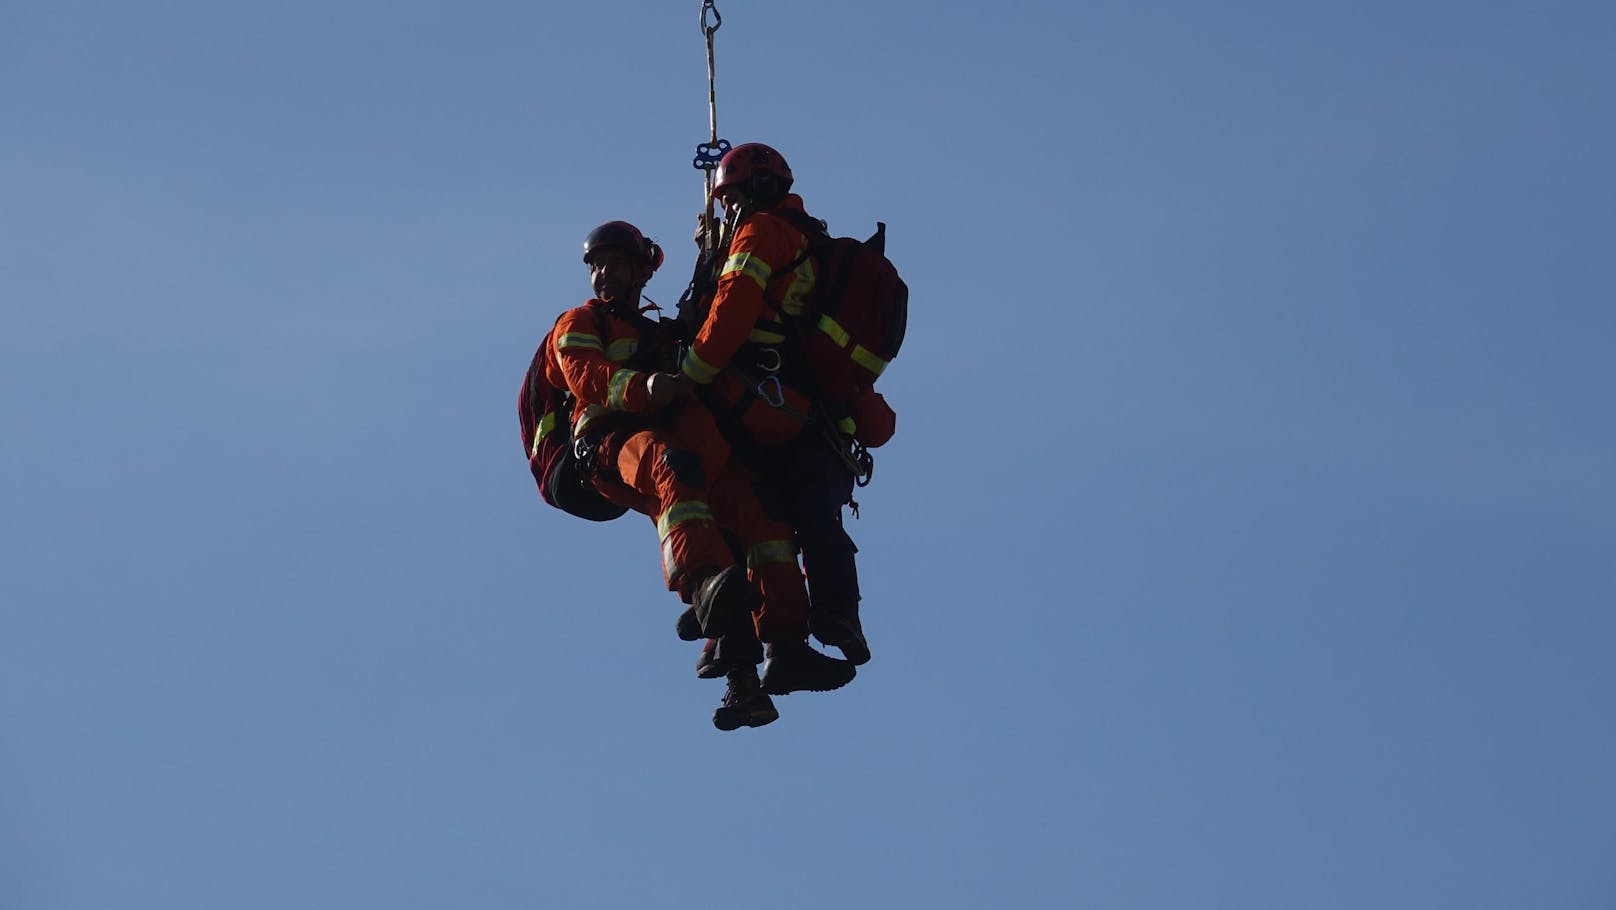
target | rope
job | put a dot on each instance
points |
(707, 156)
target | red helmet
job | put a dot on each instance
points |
(620, 235)
(759, 171)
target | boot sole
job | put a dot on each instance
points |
(853, 648)
(728, 724)
(779, 687)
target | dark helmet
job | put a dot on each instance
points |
(755, 169)
(621, 235)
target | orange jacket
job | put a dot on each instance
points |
(753, 291)
(591, 366)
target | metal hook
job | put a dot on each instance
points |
(707, 6)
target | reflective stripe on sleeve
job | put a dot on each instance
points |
(622, 349)
(682, 513)
(617, 389)
(581, 340)
(697, 369)
(750, 266)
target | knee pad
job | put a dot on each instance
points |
(686, 467)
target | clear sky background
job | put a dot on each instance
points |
(1248, 541)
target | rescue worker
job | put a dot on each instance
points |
(752, 375)
(652, 448)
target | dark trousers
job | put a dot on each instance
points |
(813, 484)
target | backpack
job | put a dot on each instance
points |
(855, 319)
(545, 414)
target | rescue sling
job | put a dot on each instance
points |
(545, 413)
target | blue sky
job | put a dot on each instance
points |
(1247, 540)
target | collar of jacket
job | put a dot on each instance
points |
(615, 308)
(790, 201)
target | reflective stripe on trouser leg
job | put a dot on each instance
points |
(682, 528)
(691, 545)
(771, 551)
(772, 566)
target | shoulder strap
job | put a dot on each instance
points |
(814, 230)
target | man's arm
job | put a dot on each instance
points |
(761, 245)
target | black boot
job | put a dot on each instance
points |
(744, 703)
(842, 632)
(795, 666)
(722, 600)
(688, 627)
(709, 665)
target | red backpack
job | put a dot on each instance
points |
(855, 319)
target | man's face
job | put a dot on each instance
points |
(616, 274)
(731, 199)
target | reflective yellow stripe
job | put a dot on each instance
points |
(670, 568)
(578, 340)
(622, 349)
(846, 426)
(770, 552)
(582, 423)
(762, 336)
(750, 266)
(861, 355)
(546, 426)
(697, 369)
(797, 293)
(866, 358)
(617, 389)
(681, 513)
(834, 329)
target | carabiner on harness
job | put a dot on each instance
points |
(769, 360)
(866, 467)
(583, 451)
(778, 399)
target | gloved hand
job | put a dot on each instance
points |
(663, 389)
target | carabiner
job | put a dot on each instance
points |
(779, 399)
(770, 361)
(866, 468)
(706, 7)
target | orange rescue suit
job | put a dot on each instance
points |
(758, 288)
(674, 466)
